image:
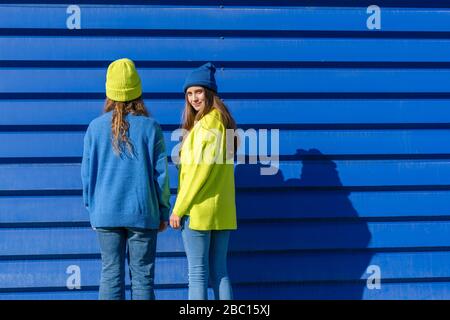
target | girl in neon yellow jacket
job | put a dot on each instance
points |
(205, 206)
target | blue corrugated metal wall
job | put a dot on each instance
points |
(363, 187)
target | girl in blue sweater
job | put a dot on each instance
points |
(125, 184)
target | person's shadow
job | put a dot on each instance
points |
(297, 238)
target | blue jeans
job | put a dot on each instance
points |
(206, 252)
(141, 261)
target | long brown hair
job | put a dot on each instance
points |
(212, 101)
(119, 124)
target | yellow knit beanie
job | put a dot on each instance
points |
(122, 81)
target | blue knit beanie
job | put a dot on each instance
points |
(202, 76)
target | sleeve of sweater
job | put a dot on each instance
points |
(85, 165)
(197, 172)
(161, 174)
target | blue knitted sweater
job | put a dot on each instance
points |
(131, 190)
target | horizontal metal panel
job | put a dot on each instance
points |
(427, 290)
(227, 18)
(285, 174)
(51, 241)
(248, 268)
(249, 111)
(53, 273)
(292, 80)
(296, 204)
(282, 236)
(17, 209)
(326, 235)
(263, 204)
(289, 142)
(91, 294)
(228, 49)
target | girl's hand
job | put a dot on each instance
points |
(175, 221)
(162, 226)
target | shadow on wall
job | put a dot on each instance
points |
(294, 241)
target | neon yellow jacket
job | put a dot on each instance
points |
(206, 178)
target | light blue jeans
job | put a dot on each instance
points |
(141, 261)
(206, 252)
